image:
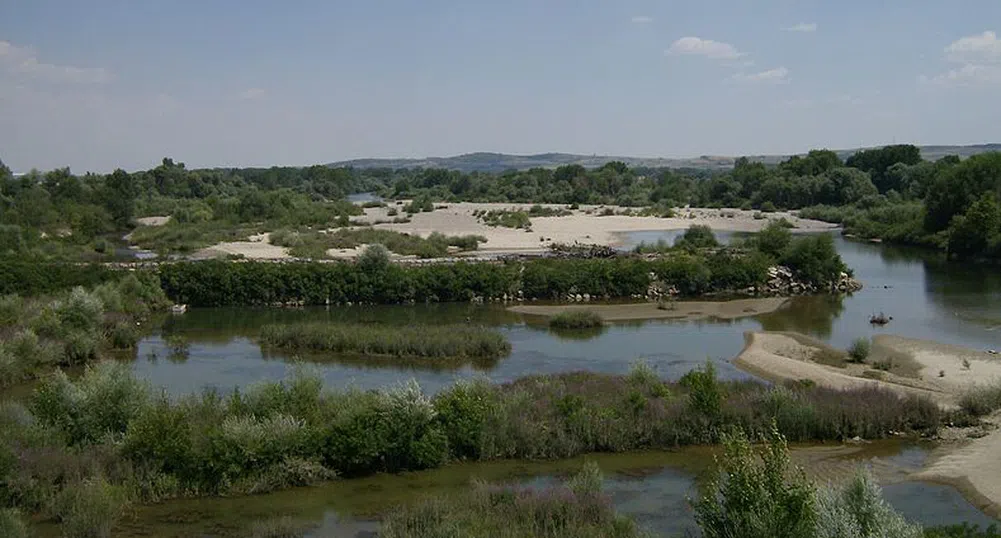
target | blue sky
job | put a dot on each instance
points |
(105, 83)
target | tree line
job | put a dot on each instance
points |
(890, 192)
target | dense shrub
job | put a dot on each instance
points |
(697, 237)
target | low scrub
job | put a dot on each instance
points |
(981, 400)
(432, 341)
(506, 218)
(576, 319)
(314, 244)
(859, 350)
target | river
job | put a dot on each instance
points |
(927, 297)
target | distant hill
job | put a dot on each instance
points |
(499, 162)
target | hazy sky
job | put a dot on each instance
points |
(99, 84)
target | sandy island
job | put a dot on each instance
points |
(940, 372)
(582, 226)
(687, 310)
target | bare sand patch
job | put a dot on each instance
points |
(781, 357)
(682, 310)
(584, 225)
(257, 247)
(971, 466)
(153, 221)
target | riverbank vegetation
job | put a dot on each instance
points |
(75, 327)
(690, 272)
(108, 437)
(441, 342)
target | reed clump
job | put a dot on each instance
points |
(431, 341)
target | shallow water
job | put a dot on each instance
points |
(653, 488)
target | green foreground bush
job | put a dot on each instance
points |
(73, 328)
(576, 319)
(430, 341)
(280, 435)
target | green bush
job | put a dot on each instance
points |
(697, 237)
(102, 402)
(89, 509)
(576, 319)
(11, 524)
(773, 239)
(859, 350)
(463, 410)
(858, 509)
(753, 498)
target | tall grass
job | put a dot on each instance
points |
(576, 319)
(431, 341)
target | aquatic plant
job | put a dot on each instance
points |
(576, 319)
(431, 341)
(575, 509)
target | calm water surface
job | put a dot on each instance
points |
(927, 297)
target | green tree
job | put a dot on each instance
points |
(959, 186)
(977, 232)
(877, 161)
(120, 197)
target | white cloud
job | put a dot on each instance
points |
(24, 61)
(804, 27)
(642, 19)
(779, 75)
(975, 49)
(967, 75)
(252, 93)
(980, 59)
(694, 46)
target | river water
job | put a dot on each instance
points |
(928, 298)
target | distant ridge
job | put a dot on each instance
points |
(499, 162)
